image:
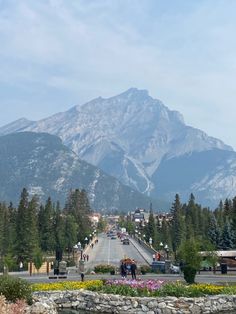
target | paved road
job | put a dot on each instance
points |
(204, 277)
(111, 251)
(108, 251)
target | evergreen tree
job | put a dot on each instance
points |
(177, 228)
(233, 218)
(78, 206)
(12, 227)
(70, 233)
(32, 216)
(227, 209)
(4, 229)
(204, 220)
(59, 228)
(219, 214)
(46, 227)
(151, 230)
(214, 231)
(227, 238)
(23, 242)
(192, 218)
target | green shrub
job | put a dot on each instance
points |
(70, 263)
(189, 274)
(15, 288)
(189, 253)
(145, 269)
(104, 268)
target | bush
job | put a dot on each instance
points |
(104, 268)
(189, 274)
(10, 262)
(145, 269)
(189, 253)
(15, 289)
(70, 263)
(12, 308)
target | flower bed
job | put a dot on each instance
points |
(161, 288)
(141, 284)
(139, 287)
(129, 296)
(67, 285)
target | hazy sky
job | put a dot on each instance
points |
(55, 54)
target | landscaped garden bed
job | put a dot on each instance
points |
(122, 294)
(150, 288)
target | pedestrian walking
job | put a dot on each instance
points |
(82, 276)
(87, 257)
(133, 268)
(123, 270)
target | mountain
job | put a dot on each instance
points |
(141, 142)
(42, 164)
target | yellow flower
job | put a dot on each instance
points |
(66, 285)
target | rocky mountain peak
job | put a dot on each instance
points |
(129, 136)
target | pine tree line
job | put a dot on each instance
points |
(215, 229)
(31, 227)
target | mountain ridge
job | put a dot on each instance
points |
(128, 136)
(46, 167)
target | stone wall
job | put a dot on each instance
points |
(50, 301)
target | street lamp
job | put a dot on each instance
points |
(80, 249)
(150, 241)
(75, 249)
(167, 251)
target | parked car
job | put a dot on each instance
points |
(174, 269)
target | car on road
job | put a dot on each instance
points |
(113, 237)
(126, 241)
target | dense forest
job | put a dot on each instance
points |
(33, 229)
(212, 230)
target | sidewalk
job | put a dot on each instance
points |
(145, 254)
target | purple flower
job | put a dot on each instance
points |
(150, 285)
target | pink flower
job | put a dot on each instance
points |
(150, 285)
